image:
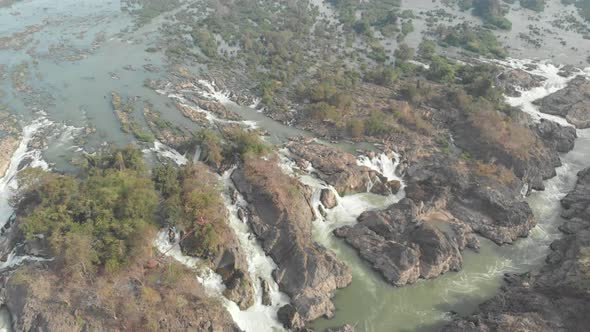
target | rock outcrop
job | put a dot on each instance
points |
(514, 80)
(572, 102)
(8, 145)
(281, 217)
(490, 204)
(328, 198)
(402, 246)
(533, 161)
(556, 136)
(557, 296)
(340, 169)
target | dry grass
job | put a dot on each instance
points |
(496, 172)
(502, 131)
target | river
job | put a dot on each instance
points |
(82, 50)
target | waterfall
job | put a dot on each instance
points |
(197, 155)
(260, 266)
(8, 183)
(168, 152)
(349, 207)
(553, 83)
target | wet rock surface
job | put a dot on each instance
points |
(557, 296)
(339, 169)
(402, 246)
(572, 103)
(515, 80)
(281, 219)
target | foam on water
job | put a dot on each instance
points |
(8, 183)
(14, 260)
(258, 317)
(349, 207)
(553, 83)
(168, 152)
(209, 91)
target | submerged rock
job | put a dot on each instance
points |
(343, 328)
(402, 246)
(572, 103)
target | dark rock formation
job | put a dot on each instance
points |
(532, 164)
(402, 246)
(491, 205)
(281, 219)
(572, 103)
(340, 169)
(556, 136)
(557, 296)
(290, 318)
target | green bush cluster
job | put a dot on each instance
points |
(96, 219)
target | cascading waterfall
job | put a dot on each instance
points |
(553, 83)
(258, 317)
(197, 155)
(349, 207)
(168, 152)
(209, 91)
(9, 183)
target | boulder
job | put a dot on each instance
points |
(290, 318)
(556, 136)
(571, 103)
(239, 289)
(266, 300)
(328, 198)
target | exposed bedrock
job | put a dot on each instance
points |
(340, 169)
(490, 204)
(557, 296)
(571, 103)
(281, 219)
(403, 246)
